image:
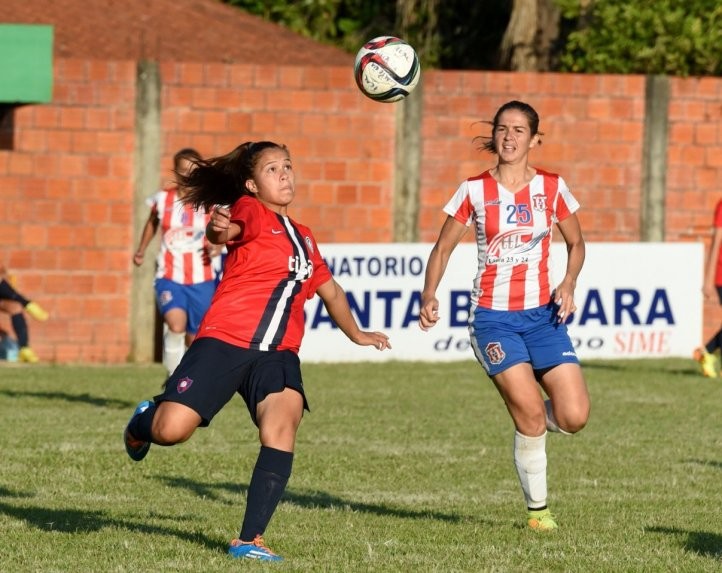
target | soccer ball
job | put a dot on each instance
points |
(387, 69)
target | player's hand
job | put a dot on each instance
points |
(376, 339)
(709, 292)
(220, 219)
(138, 258)
(429, 314)
(564, 299)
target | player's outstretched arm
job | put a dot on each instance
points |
(449, 237)
(220, 229)
(336, 303)
(149, 230)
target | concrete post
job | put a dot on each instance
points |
(146, 168)
(408, 167)
(654, 158)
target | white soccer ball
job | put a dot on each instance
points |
(387, 69)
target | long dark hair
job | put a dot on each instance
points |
(187, 153)
(487, 143)
(222, 180)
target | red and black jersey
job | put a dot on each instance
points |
(272, 268)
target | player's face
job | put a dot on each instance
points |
(184, 168)
(273, 179)
(512, 136)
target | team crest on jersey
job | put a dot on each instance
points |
(494, 352)
(309, 244)
(183, 384)
(539, 202)
(165, 297)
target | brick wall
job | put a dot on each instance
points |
(66, 181)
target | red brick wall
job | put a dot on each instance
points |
(65, 210)
(66, 186)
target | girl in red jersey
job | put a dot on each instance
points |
(185, 277)
(249, 339)
(517, 314)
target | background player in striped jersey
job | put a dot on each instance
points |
(249, 339)
(517, 313)
(185, 277)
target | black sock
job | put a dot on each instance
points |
(715, 342)
(140, 426)
(20, 326)
(9, 293)
(270, 476)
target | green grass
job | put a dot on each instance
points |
(399, 467)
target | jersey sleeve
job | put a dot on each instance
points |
(246, 213)
(459, 206)
(565, 203)
(153, 201)
(321, 272)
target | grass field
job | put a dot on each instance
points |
(399, 467)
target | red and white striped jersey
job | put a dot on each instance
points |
(272, 268)
(183, 257)
(513, 235)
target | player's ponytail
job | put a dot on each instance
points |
(222, 180)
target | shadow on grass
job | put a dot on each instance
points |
(701, 542)
(79, 521)
(81, 398)
(310, 500)
(629, 366)
(5, 492)
(708, 463)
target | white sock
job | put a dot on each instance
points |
(552, 425)
(530, 458)
(174, 345)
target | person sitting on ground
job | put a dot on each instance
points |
(15, 304)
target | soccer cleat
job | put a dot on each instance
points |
(707, 362)
(255, 549)
(541, 520)
(36, 311)
(26, 354)
(136, 449)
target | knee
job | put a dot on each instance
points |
(574, 421)
(167, 432)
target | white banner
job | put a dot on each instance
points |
(635, 300)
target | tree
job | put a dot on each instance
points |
(454, 34)
(673, 37)
(528, 42)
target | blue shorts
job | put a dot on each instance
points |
(502, 339)
(193, 299)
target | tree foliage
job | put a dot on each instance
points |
(452, 34)
(673, 37)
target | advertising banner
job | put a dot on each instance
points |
(634, 300)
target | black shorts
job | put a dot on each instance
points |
(212, 371)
